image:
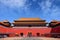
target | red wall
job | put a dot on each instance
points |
(25, 30)
(41, 30)
(56, 30)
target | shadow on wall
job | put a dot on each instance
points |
(55, 32)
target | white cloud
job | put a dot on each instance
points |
(13, 3)
(55, 13)
(52, 12)
(45, 5)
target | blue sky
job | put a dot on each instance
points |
(15, 9)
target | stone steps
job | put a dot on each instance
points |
(29, 38)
